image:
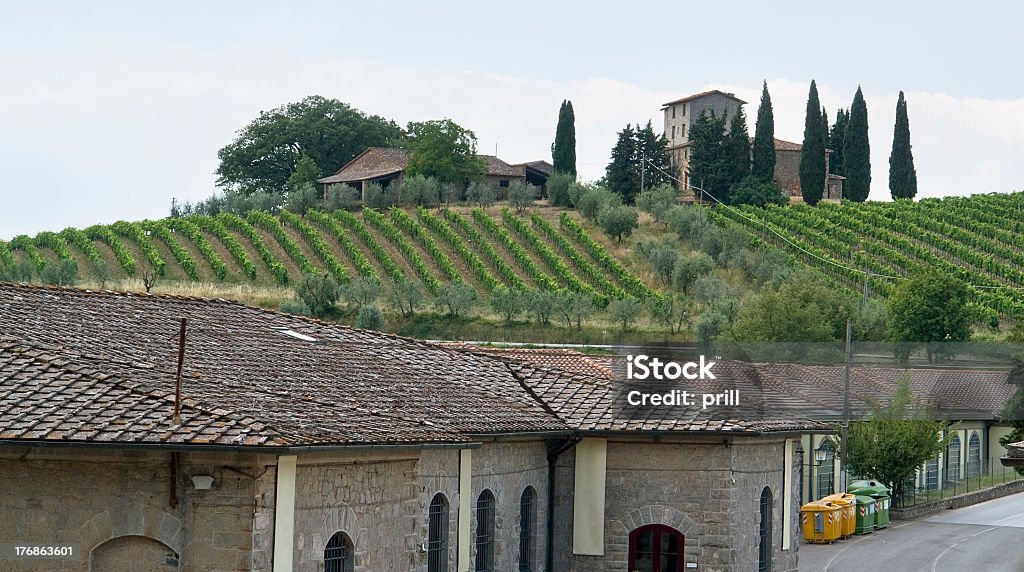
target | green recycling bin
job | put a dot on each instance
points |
(865, 514)
(880, 493)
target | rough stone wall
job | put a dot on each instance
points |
(707, 491)
(507, 469)
(117, 504)
(439, 473)
(373, 499)
(787, 172)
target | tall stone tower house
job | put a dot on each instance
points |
(681, 114)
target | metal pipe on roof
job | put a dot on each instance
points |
(177, 378)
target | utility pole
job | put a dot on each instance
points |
(843, 470)
(643, 168)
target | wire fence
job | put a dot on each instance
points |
(933, 484)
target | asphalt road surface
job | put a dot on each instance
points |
(986, 537)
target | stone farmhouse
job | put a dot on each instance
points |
(300, 445)
(386, 166)
(680, 116)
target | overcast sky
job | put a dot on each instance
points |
(110, 109)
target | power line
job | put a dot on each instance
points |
(866, 273)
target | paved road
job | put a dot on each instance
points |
(986, 537)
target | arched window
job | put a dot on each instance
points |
(974, 455)
(825, 460)
(764, 547)
(527, 529)
(339, 556)
(656, 548)
(485, 532)
(437, 535)
(953, 459)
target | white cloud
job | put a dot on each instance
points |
(115, 133)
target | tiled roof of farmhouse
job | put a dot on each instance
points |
(376, 162)
(703, 94)
(348, 386)
(782, 145)
(564, 359)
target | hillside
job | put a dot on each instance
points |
(546, 248)
(978, 238)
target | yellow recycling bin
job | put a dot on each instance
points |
(821, 522)
(848, 508)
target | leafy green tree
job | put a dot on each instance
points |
(754, 191)
(596, 199)
(670, 310)
(319, 292)
(772, 316)
(662, 257)
(902, 174)
(267, 151)
(688, 221)
(521, 195)
(763, 152)
(558, 189)
(303, 198)
(736, 147)
(837, 143)
(445, 151)
(481, 193)
(623, 173)
(452, 193)
(563, 150)
(378, 197)
(689, 268)
(574, 307)
(370, 317)
(894, 441)
(928, 309)
(306, 173)
(405, 297)
(417, 190)
(542, 304)
(361, 291)
(624, 312)
(508, 302)
(342, 196)
(812, 156)
(62, 272)
(455, 298)
(658, 202)
(618, 221)
(857, 152)
(708, 165)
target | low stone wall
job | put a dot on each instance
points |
(958, 501)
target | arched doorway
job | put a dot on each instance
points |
(656, 548)
(133, 553)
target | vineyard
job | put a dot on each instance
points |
(979, 239)
(471, 246)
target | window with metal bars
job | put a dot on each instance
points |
(339, 556)
(437, 535)
(527, 529)
(764, 552)
(485, 532)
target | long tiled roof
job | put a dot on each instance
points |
(349, 386)
(377, 162)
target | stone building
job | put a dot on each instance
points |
(681, 114)
(295, 444)
(386, 166)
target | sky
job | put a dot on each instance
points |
(108, 110)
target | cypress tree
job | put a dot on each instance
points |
(707, 160)
(763, 159)
(623, 174)
(736, 152)
(563, 151)
(902, 174)
(836, 142)
(812, 156)
(857, 150)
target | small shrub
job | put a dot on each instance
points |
(657, 202)
(521, 195)
(481, 193)
(377, 197)
(405, 296)
(297, 307)
(361, 291)
(618, 221)
(455, 298)
(507, 302)
(303, 198)
(542, 304)
(624, 312)
(63, 272)
(370, 317)
(342, 197)
(558, 189)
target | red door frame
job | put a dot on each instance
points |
(656, 529)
